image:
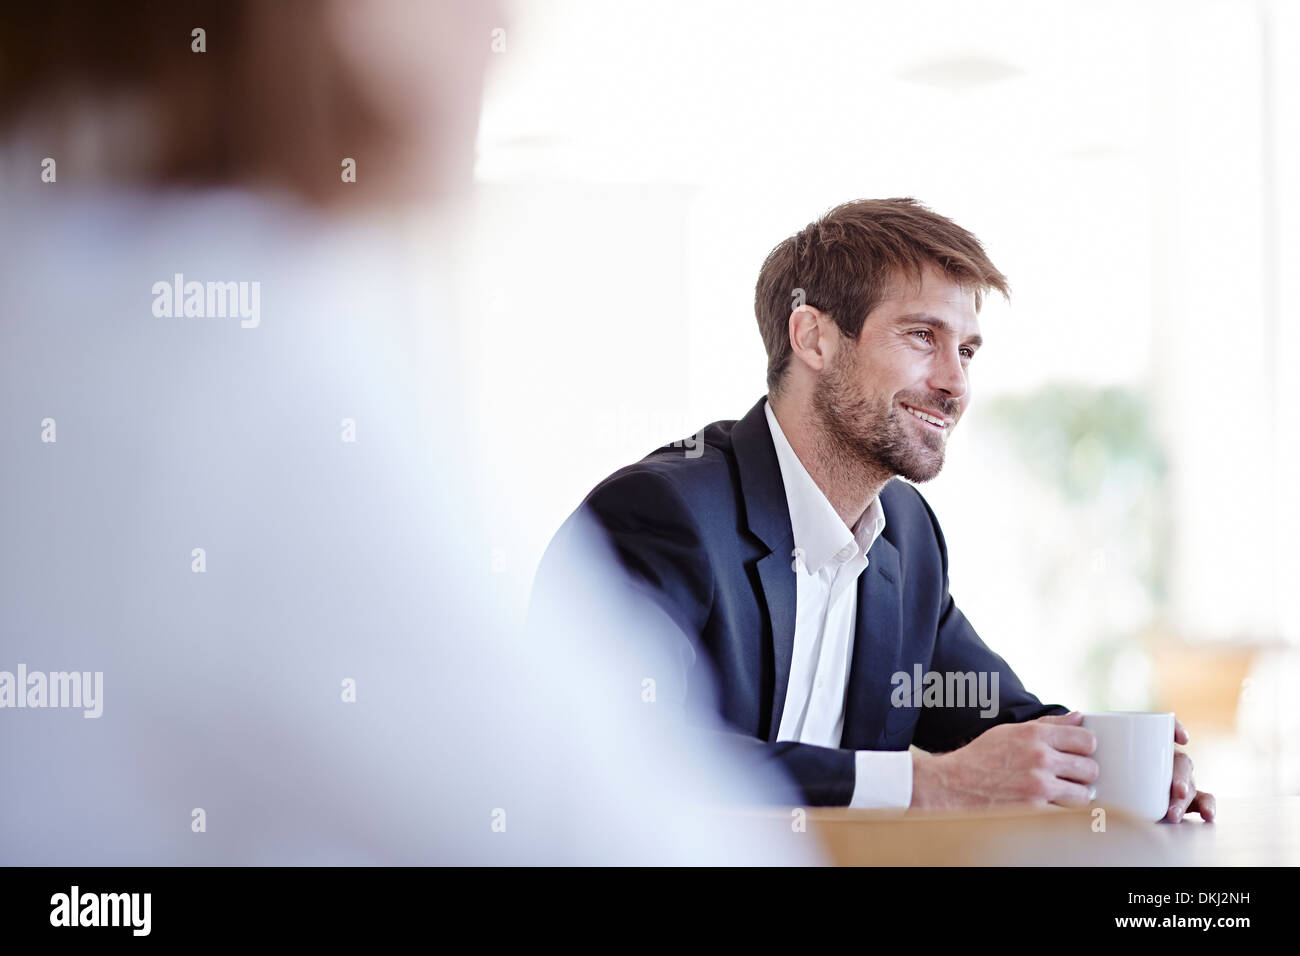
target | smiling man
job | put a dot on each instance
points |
(809, 582)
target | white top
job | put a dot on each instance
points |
(827, 560)
(265, 537)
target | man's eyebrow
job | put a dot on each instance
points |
(936, 323)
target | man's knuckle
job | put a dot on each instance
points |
(1040, 784)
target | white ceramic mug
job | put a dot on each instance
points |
(1135, 760)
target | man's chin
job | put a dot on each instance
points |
(922, 471)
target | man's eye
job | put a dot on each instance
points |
(967, 351)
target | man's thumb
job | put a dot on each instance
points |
(1073, 717)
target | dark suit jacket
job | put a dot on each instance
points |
(706, 531)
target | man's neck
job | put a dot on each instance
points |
(849, 486)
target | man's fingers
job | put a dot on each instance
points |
(1078, 769)
(1065, 734)
(1204, 804)
(1073, 740)
(1067, 794)
(1180, 732)
(1182, 789)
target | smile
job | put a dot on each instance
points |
(932, 420)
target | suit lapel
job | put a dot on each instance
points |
(780, 594)
(877, 646)
(768, 516)
(877, 633)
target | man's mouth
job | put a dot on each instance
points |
(937, 422)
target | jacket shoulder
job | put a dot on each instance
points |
(698, 469)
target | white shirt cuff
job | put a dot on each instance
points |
(883, 779)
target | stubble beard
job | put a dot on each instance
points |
(864, 441)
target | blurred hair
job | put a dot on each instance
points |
(272, 101)
(845, 261)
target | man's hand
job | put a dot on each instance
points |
(1038, 762)
(1183, 796)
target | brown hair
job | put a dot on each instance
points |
(272, 101)
(845, 261)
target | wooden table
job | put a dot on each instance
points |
(1249, 831)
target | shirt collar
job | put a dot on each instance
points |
(819, 532)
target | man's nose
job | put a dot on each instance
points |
(949, 374)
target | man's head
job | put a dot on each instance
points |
(868, 314)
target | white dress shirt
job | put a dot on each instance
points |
(827, 560)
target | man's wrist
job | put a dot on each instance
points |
(926, 780)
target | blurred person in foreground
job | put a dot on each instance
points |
(814, 583)
(235, 492)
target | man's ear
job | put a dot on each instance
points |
(811, 336)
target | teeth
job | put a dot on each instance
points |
(924, 417)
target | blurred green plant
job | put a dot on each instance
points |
(1077, 437)
(1099, 449)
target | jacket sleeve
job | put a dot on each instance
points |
(631, 565)
(958, 649)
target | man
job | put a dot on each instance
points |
(814, 584)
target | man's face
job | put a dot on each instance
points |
(913, 352)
